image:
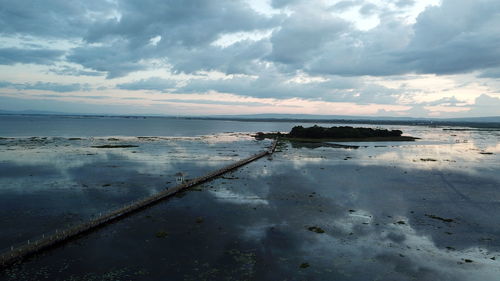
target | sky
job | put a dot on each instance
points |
(415, 58)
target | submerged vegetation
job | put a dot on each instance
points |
(114, 146)
(342, 133)
(161, 234)
(316, 229)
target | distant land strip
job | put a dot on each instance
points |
(472, 122)
(416, 122)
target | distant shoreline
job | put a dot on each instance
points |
(367, 121)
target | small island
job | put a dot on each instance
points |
(337, 134)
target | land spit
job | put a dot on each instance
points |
(31, 248)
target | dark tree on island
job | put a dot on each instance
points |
(342, 133)
(317, 132)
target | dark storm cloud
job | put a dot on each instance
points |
(184, 31)
(179, 22)
(116, 59)
(303, 36)
(241, 57)
(491, 73)
(9, 56)
(357, 53)
(51, 18)
(46, 86)
(115, 38)
(451, 38)
(456, 37)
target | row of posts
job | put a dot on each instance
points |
(60, 236)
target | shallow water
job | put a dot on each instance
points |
(424, 210)
(86, 126)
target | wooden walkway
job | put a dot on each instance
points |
(32, 247)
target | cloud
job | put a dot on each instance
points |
(9, 56)
(63, 106)
(458, 36)
(485, 105)
(448, 101)
(490, 73)
(116, 59)
(46, 86)
(324, 40)
(368, 9)
(357, 53)
(335, 89)
(283, 3)
(405, 3)
(52, 18)
(178, 22)
(304, 35)
(73, 71)
(182, 31)
(74, 96)
(244, 57)
(347, 4)
(447, 39)
(219, 102)
(273, 85)
(455, 37)
(153, 83)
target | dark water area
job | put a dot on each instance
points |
(424, 210)
(51, 183)
(84, 126)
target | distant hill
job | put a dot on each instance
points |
(491, 121)
(311, 116)
(31, 112)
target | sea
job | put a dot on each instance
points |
(421, 210)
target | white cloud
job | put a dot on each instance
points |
(354, 49)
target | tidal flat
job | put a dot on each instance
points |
(356, 211)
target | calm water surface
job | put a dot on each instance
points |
(75, 126)
(424, 210)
